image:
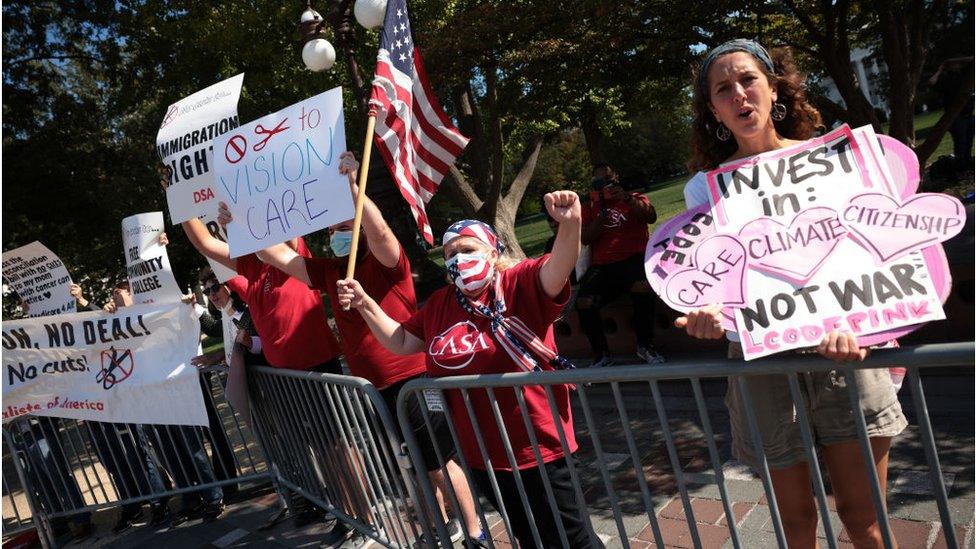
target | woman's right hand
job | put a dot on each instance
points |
(350, 294)
(703, 323)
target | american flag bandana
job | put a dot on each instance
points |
(474, 228)
(520, 342)
(470, 272)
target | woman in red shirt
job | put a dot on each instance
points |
(497, 317)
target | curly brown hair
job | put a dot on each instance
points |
(802, 118)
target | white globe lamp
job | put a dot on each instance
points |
(318, 55)
(370, 13)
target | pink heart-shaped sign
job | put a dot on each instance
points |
(793, 252)
(889, 229)
(718, 276)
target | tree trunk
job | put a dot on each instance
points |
(952, 110)
(504, 224)
(592, 133)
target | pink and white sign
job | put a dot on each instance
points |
(829, 242)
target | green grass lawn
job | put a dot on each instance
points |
(923, 124)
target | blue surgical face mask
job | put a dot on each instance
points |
(341, 243)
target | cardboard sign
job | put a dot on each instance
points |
(147, 265)
(279, 174)
(184, 143)
(40, 279)
(132, 366)
(222, 273)
(828, 243)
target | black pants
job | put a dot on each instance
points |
(602, 284)
(535, 494)
(430, 443)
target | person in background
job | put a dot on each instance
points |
(122, 447)
(289, 315)
(504, 311)
(383, 269)
(747, 102)
(615, 227)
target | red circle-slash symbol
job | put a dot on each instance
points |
(236, 149)
(170, 115)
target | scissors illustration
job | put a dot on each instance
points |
(259, 129)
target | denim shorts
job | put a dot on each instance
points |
(827, 406)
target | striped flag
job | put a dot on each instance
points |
(415, 137)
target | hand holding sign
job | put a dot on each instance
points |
(277, 175)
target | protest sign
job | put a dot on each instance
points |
(132, 366)
(184, 143)
(146, 262)
(279, 174)
(217, 231)
(40, 279)
(807, 223)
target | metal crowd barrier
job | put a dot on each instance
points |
(599, 483)
(55, 468)
(333, 441)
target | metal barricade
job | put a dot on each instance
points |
(333, 441)
(645, 454)
(66, 468)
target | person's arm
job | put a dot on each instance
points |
(286, 260)
(383, 243)
(78, 293)
(387, 331)
(564, 207)
(642, 207)
(207, 244)
(210, 325)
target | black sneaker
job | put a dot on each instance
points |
(126, 519)
(337, 536)
(211, 511)
(159, 515)
(477, 543)
(307, 515)
(454, 530)
(186, 514)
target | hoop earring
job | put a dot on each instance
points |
(779, 112)
(722, 133)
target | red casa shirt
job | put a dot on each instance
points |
(288, 314)
(460, 344)
(624, 233)
(392, 288)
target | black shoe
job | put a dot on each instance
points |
(307, 515)
(338, 535)
(211, 511)
(186, 514)
(126, 519)
(160, 515)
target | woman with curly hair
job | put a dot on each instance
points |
(749, 102)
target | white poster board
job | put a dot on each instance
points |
(279, 174)
(147, 265)
(40, 279)
(184, 143)
(132, 366)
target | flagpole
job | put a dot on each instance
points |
(361, 196)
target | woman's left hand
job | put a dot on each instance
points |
(842, 347)
(563, 206)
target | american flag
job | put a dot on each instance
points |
(415, 137)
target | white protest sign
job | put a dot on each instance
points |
(146, 262)
(279, 174)
(184, 144)
(40, 279)
(132, 366)
(805, 275)
(210, 221)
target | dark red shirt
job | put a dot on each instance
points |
(392, 288)
(624, 232)
(288, 314)
(457, 343)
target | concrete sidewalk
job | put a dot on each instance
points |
(913, 513)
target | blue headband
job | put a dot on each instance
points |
(739, 44)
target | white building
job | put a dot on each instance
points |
(869, 71)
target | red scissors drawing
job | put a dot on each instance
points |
(259, 129)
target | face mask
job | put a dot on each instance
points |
(470, 272)
(341, 243)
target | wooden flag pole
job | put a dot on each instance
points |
(361, 196)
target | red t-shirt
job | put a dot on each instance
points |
(393, 289)
(624, 233)
(460, 344)
(288, 314)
